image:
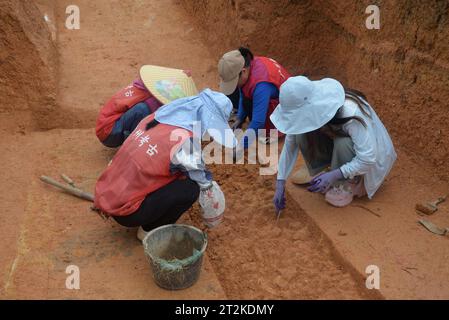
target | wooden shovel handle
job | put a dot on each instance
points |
(68, 180)
(71, 190)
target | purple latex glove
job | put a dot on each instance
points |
(324, 181)
(279, 196)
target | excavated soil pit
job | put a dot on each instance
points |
(404, 70)
(403, 67)
(255, 258)
(251, 255)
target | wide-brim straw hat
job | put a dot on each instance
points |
(167, 84)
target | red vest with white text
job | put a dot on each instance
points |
(141, 166)
(264, 69)
(121, 102)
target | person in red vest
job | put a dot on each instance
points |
(154, 87)
(258, 80)
(156, 175)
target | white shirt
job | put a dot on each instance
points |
(375, 154)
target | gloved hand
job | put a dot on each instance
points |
(237, 124)
(279, 196)
(324, 181)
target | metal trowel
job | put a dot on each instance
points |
(429, 207)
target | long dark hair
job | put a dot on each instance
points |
(151, 124)
(312, 137)
(247, 55)
(360, 99)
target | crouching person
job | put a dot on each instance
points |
(155, 87)
(157, 175)
(343, 142)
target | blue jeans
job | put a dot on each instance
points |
(126, 124)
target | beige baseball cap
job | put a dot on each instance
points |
(229, 68)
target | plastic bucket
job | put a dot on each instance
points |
(175, 253)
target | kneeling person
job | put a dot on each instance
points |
(155, 87)
(334, 129)
(156, 176)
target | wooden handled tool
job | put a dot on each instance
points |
(69, 189)
(429, 207)
(68, 180)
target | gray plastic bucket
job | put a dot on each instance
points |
(175, 253)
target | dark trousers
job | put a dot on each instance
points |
(126, 124)
(163, 206)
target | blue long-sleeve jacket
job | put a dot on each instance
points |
(262, 95)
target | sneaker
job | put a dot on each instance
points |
(301, 176)
(342, 193)
(357, 186)
(141, 233)
(339, 195)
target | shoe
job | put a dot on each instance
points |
(141, 233)
(342, 193)
(357, 186)
(302, 176)
(339, 195)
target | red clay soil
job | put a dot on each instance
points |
(385, 232)
(403, 68)
(43, 230)
(46, 230)
(255, 258)
(28, 62)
